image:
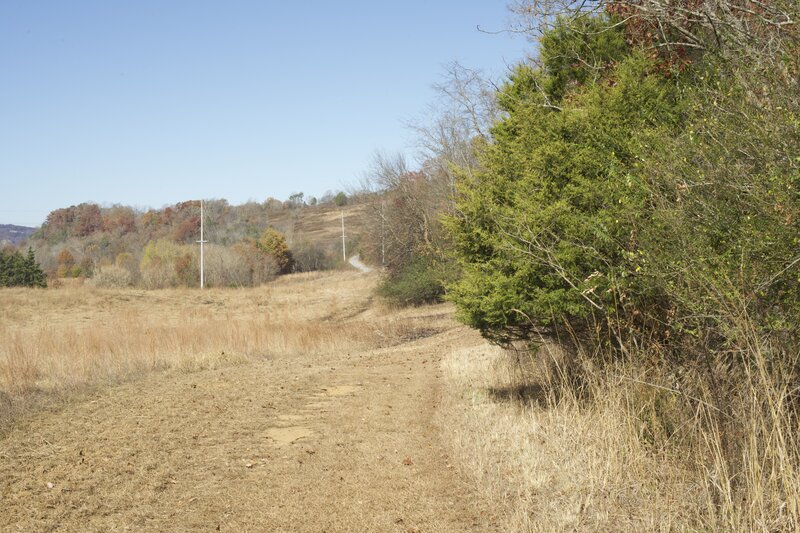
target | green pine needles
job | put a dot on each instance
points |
(18, 270)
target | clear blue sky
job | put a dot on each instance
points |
(148, 103)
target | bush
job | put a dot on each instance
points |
(548, 233)
(111, 277)
(274, 243)
(309, 257)
(159, 261)
(260, 266)
(418, 282)
(225, 268)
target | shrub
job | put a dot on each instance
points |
(111, 277)
(260, 266)
(548, 232)
(158, 264)
(309, 257)
(418, 282)
(274, 243)
(225, 268)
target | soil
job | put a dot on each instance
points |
(338, 442)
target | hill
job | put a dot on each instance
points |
(157, 247)
(9, 233)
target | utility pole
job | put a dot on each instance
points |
(344, 249)
(202, 241)
(383, 236)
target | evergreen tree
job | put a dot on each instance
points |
(547, 232)
(17, 270)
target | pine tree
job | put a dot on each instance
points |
(17, 270)
(33, 274)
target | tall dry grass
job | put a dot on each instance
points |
(624, 450)
(58, 341)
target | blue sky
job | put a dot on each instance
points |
(148, 103)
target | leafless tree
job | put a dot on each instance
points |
(757, 29)
(463, 113)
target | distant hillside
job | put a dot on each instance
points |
(15, 234)
(78, 240)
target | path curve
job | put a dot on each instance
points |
(356, 262)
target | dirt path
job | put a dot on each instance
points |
(341, 442)
(356, 262)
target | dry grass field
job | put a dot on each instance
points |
(299, 406)
(321, 224)
(548, 461)
(59, 341)
(305, 405)
(561, 467)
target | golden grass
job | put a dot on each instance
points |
(552, 463)
(57, 341)
(557, 466)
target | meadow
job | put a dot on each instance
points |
(54, 343)
(538, 453)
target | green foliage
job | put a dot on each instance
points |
(18, 270)
(340, 199)
(578, 52)
(547, 233)
(620, 201)
(723, 238)
(417, 282)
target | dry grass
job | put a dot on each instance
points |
(59, 341)
(541, 458)
(320, 224)
(553, 463)
(341, 439)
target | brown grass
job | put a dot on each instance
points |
(320, 224)
(59, 341)
(338, 440)
(553, 463)
(627, 456)
(556, 465)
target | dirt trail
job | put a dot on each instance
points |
(340, 442)
(356, 262)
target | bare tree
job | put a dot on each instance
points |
(463, 113)
(757, 29)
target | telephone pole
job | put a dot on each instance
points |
(344, 249)
(202, 241)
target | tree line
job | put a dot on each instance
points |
(119, 246)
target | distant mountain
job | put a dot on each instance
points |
(15, 234)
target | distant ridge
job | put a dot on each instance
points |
(15, 234)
